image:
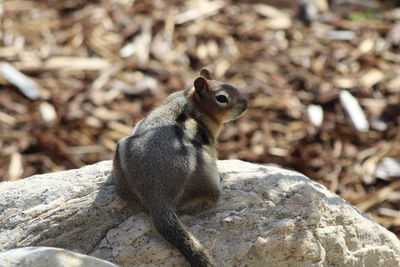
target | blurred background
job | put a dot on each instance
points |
(322, 78)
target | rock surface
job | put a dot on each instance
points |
(48, 257)
(267, 217)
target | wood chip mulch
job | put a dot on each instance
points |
(322, 78)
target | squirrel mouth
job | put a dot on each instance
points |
(239, 110)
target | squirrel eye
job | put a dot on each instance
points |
(221, 99)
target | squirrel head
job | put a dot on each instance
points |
(220, 101)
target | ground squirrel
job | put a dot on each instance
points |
(168, 164)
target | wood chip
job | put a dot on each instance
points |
(221, 68)
(341, 35)
(371, 78)
(76, 63)
(15, 168)
(276, 19)
(121, 128)
(344, 83)
(386, 221)
(140, 46)
(25, 84)
(86, 149)
(106, 114)
(354, 111)
(394, 34)
(389, 212)
(315, 114)
(387, 169)
(7, 118)
(48, 112)
(203, 10)
(366, 46)
(378, 196)
(394, 85)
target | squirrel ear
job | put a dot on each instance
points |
(206, 74)
(200, 84)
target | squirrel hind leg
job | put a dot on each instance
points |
(123, 186)
(192, 206)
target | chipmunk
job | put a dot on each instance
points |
(168, 164)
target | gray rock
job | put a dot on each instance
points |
(48, 257)
(267, 217)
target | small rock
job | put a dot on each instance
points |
(48, 257)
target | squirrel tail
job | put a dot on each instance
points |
(169, 226)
